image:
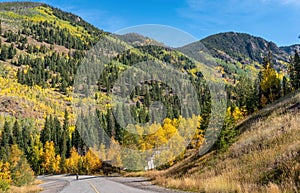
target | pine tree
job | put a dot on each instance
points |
(63, 87)
(286, 88)
(34, 156)
(11, 51)
(17, 135)
(65, 135)
(4, 53)
(56, 134)
(26, 134)
(77, 141)
(110, 129)
(295, 71)
(64, 143)
(0, 27)
(46, 132)
(6, 135)
(228, 132)
(63, 148)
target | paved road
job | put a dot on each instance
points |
(92, 184)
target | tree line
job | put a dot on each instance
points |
(248, 96)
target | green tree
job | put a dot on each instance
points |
(6, 135)
(11, 51)
(17, 135)
(56, 134)
(65, 135)
(35, 156)
(21, 174)
(46, 132)
(295, 71)
(245, 92)
(228, 132)
(0, 27)
(286, 87)
(4, 53)
(64, 149)
(27, 139)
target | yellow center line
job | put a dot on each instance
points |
(95, 189)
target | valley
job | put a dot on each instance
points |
(216, 115)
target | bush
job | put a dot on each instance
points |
(4, 185)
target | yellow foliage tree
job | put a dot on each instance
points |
(169, 128)
(270, 85)
(50, 162)
(72, 163)
(114, 153)
(102, 152)
(156, 137)
(190, 124)
(5, 176)
(21, 173)
(91, 162)
(237, 113)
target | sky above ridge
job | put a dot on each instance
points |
(274, 20)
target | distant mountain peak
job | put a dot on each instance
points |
(136, 39)
(291, 49)
(240, 47)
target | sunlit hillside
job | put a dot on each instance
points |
(264, 158)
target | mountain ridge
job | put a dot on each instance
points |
(241, 47)
(291, 49)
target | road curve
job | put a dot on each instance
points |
(93, 184)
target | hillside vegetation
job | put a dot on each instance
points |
(41, 50)
(264, 158)
(47, 74)
(241, 54)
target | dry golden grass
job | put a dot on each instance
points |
(34, 188)
(266, 145)
(272, 188)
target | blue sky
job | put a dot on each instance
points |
(274, 20)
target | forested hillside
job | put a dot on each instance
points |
(263, 157)
(45, 75)
(241, 54)
(41, 49)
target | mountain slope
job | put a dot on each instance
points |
(239, 54)
(41, 50)
(135, 39)
(24, 41)
(243, 47)
(265, 157)
(291, 49)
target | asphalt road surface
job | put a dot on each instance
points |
(93, 184)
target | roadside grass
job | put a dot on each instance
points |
(33, 188)
(265, 158)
